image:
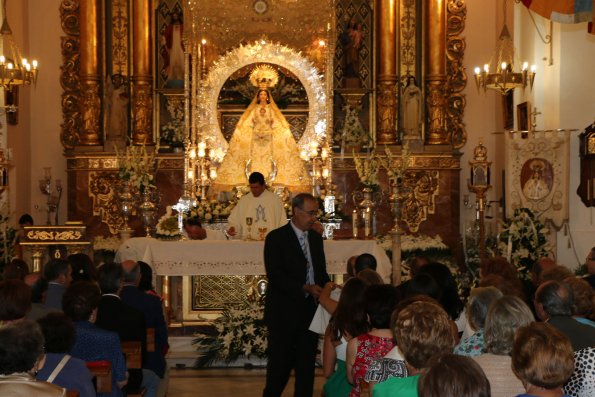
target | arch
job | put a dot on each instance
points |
(257, 52)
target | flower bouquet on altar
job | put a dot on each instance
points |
(367, 169)
(138, 166)
(239, 332)
(167, 226)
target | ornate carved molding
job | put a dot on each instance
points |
(142, 111)
(69, 77)
(419, 191)
(105, 204)
(119, 35)
(90, 112)
(386, 108)
(425, 161)
(456, 75)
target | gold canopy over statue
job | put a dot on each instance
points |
(262, 141)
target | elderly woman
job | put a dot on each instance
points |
(423, 330)
(21, 356)
(542, 358)
(477, 308)
(452, 375)
(505, 316)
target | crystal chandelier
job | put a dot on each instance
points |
(499, 74)
(14, 69)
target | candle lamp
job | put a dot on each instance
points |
(479, 183)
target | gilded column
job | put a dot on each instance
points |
(90, 105)
(386, 100)
(436, 72)
(142, 102)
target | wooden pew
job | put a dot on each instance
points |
(150, 340)
(102, 372)
(133, 353)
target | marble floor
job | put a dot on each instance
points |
(227, 382)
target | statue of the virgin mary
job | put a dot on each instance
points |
(262, 141)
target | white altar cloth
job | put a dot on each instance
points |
(234, 257)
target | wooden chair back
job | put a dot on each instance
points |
(133, 353)
(102, 371)
(151, 339)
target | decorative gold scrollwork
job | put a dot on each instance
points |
(69, 78)
(105, 203)
(456, 76)
(419, 191)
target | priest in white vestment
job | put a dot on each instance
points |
(256, 211)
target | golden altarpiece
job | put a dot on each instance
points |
(169, 72)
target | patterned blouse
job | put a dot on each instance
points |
(369, 348)
(471, 346)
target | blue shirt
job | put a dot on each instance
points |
(95, 344)
(73, 376)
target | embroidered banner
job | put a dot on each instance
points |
(537, 174)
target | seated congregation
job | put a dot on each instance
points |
(513, 337)
(80, 331)
(77, 330)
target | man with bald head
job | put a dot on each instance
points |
(554, 304)
(151, 307)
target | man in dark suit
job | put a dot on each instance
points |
(151, 307)
(296, 270)
(129, 323)
(554, 303)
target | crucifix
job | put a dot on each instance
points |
(183, 205)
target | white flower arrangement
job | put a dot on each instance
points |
(367, 168)
(167, 225)
(138, 166)
(396, 167)
(173, 131)
(352, 133)
(524, 241)
(239, 332)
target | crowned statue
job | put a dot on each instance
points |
(262, 142)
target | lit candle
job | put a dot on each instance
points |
(325, 173)
(191, 175)
(367, 219)
(213, 174)
(324, 153)
(354, 223)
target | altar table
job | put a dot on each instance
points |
(236, 257)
